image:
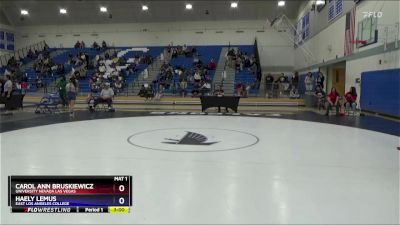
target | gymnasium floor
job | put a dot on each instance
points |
(297, 167)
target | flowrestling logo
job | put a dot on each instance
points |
(193, 139)
(373, 14)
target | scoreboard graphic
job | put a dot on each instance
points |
(70, 194)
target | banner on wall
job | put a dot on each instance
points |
(10, 41)
(7, 40)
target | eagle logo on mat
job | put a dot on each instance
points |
(191, 138)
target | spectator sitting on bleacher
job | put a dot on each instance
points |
(83, 44)
(77, 44)
(142, 91)
(294, 93)
(30, 54)
(283, 81)
(58, 69)
(12, 62)
(219, 91)
(104, 45)
(80, 73)
(118, 86)
(38, 82)
(196, 89)
(246, 90)
(174, 53)
(96, 46)
(106, 96)
(247, 62)
(94, 87)
(196, 60)
(239, 89)
(212, 65)
(197, 76)
(238, 64)
(205, 88)
(102, 68)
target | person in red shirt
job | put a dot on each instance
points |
(212, 65)
(332, 99)
(350, 99)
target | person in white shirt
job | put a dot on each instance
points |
(102, 68)
(308, 81)
(7, 87)
(205, 88)
(106, 96)
(197, 77)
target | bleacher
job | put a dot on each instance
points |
(205, 54)
(246, 76)
(30, 72)
(84, 85)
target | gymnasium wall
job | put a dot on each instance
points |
(326, 40)
(354, 68)
(274, 50)
(381, 92)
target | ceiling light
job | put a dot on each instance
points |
(320, 2)
(145, 7)
(281, 3)
(189, 6)
(24, 12)
(234, 4)
(103, 9)
(63, 11)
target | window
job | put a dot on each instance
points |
(335, 8)
(306, 26)
(303, 29)
(2, 42)
(10, 41)
(7, 40)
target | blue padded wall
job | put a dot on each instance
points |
(380, 91)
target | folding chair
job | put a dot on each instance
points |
(48, 104)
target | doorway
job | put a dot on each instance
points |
(335, 77)
(339, 79)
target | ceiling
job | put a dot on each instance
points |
(46, 12)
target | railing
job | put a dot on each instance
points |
(21, 53)
(174, 89)
(257, 55)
